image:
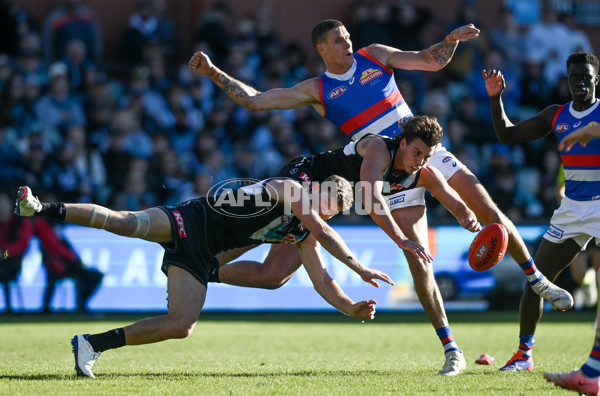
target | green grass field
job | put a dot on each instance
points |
(291, 354)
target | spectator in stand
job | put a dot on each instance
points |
(62, 261)
(147, 26)
(15, 234)
(15, 22)
(507, 38)
(77, 64)
(58, 109)
(150, 106)
(551, 51)
(88, 162)
(213, 29)
(534, 87)
(71, 20)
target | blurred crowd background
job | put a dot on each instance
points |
(147, 131)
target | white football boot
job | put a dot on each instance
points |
(559, 298)
(85, 357)
(454, 365)
(27, 204)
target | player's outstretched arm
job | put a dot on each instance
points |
(581, 135)
(431, 59)
(329, 288)
(297, 198)
(508, 133)
(432, 179)
(305, 93)
(376, 159)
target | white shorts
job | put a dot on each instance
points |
(577, 220)
(444, 161)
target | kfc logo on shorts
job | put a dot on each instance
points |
(562, 127)
(180, 225)
(336, 92)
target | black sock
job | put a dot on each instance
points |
(110, 340)
(54, 210)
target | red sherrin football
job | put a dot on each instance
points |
(488, 247)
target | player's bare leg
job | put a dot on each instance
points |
(479, 201)
(186, 299)
(152, 224)
(413, 223)
(278, 267)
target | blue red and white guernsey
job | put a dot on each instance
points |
(364, 100)
(582, 164)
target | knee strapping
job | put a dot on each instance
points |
(142, 224)
(101, 214)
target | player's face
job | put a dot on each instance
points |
(337, 47)
(582, 82)
(415, 155)
(328, 206)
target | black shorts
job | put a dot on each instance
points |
(189, 249)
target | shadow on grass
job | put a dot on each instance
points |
(385, 317)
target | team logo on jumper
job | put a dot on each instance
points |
(369, 75)
(562, 127)
(555, 232)
(180, 224)
(336, 92)
(397, 186)
(242, 198)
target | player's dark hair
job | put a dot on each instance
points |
(584, 57)
(421, 127)
(320, 31)
(345, 194)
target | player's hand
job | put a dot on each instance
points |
(470, 223)
(464, 33)
(581, 135)
(363, 310)
(200, 63)
(369, 275)
(494, 82)
(416, 249)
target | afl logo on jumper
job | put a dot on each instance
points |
(336, 92)
(562, 127)
(369, 75)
